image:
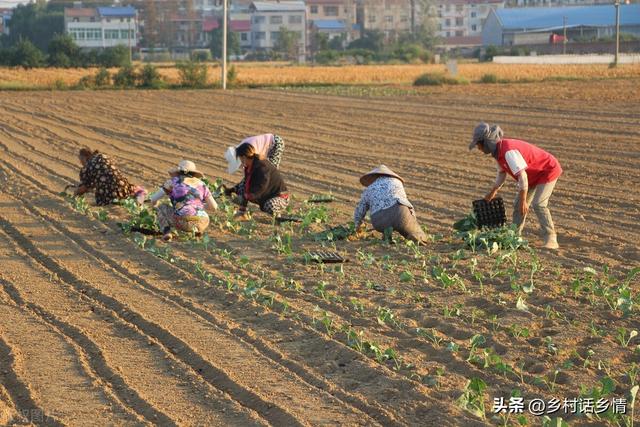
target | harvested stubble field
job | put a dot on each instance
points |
(102, 328)
(274, 74)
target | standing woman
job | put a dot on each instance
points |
(384, 197)
(100, 175)
(263, 184)
(535, 170)
(267, 146)
(190, 198)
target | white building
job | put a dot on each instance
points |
(464, 18)
(102, 27)
(268, 17)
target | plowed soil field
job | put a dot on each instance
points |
(98, 327)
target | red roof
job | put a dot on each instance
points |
(210, 24)
(240, 25)
(80, 12)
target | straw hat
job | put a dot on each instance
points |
(232, 160)
(186, 166)
(368, 178)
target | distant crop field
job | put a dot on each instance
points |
(279, 74)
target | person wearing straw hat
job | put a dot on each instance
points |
(386, 201)
(535, 170)
(99, 174)
(267, 146)
(190, 198)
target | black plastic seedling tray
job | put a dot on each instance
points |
(327, 257)
(490, 214)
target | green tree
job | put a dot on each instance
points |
(35, 22)
(27, 55)
(64, 52)
(287, 43)
(233, 43)
(117, 56)
(372, 40)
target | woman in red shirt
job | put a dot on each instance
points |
(535, 170)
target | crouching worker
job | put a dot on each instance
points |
(535, 170)
(190, 198)
(268, 146)
(263, 184)
(100, 175)
(384, 197)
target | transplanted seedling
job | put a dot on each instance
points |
(624, 336)
(472, 398)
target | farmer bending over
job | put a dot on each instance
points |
(100, 175)
(267, 146)
(189, 198)
(263, 184)
(384, 197)
(535, 170)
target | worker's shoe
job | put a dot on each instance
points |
(551, 242)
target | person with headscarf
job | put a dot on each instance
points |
(386, 201)
(100, 175)
(267, 147)
(190, 199)
(535, 170)
(263, 183)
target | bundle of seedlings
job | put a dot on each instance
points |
(492, 239)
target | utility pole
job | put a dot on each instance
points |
(129, 39)
(564, 40)
(615, 61)
(224, 44)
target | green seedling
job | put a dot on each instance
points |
(624, 336)
(406, 276)
(632, 373)
(551, 347)
(387, 317)
(475, 342)
(519, 331)
(326, 321)
(282, 244)
(553, 422)
(357, 306)
(472, 398)
(200, 271)
(367, 258)
(431, 335)
(452, 311)
(495, 323)
(549, 381)
(355, 340)
(321, 291)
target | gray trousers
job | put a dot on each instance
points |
(401, 219)
(538, 200)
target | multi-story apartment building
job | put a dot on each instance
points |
(463, 18)
(389, 16)
(335, 18)
(102, 26)
(267, 18)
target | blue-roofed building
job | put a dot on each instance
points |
(102, 27)
(522, 26)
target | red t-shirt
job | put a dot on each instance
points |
(515, 155)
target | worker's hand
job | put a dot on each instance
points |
(227, 190)
(523, 207)
(491, 195)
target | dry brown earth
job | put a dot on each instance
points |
(96, 331)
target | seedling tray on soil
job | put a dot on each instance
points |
(490, 214)
(327, 257)
(282, 219)
(321, 198)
